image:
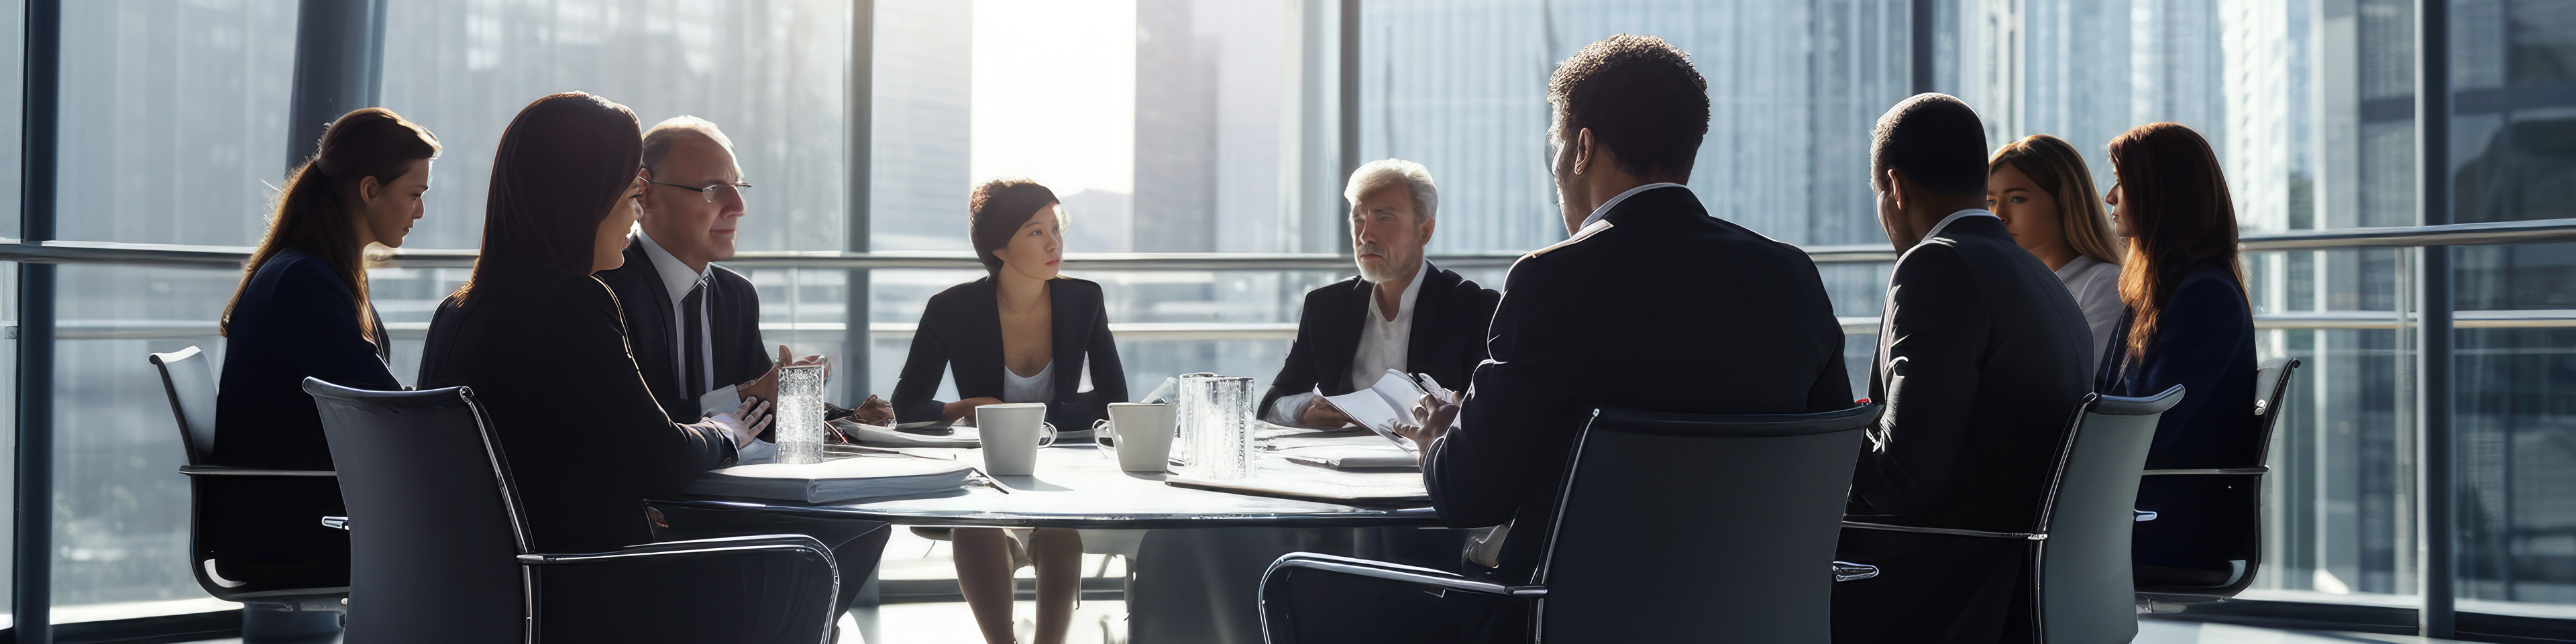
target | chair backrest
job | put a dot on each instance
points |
(2271, 387)
(191, 386)
(435, 529)
(1691, 527)
(2085, 583)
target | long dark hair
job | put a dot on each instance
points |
(2176, 201)
(313, 212)
(561, 167)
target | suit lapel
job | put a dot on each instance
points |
(651, 330)
(1426, 317)
(1067, 318)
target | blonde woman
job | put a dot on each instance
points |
(2041, 189)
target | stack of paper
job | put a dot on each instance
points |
(837, 479)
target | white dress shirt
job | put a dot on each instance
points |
(1039, 388)
(1384, 344)
(1945, 222)
(1604, 210)
(680, 280)
(2096, 286)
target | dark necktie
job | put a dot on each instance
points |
(693, 342)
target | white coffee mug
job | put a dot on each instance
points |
(1142, 433)
(1011, 434)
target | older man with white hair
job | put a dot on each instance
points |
(1400, 313)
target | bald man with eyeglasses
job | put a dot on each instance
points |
(694, 327)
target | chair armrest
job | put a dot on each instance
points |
(1394, 572)
(770, 543)
(1848, 571)
(219, 470)
(1948, 531)
(787, 586)
(2240, 471)
(1278, 628)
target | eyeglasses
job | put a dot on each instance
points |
(708, 192)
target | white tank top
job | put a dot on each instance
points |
(1033, 389)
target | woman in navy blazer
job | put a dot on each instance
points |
(2188, 323)
(302, 311)
(1023, 334)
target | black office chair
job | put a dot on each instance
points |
(231, 506)
(2079, 544)
(2220, 507)
(440, 546)
(1671, 527)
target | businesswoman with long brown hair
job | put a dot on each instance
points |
(2189, 323)
(2041, 189)
(302, 311)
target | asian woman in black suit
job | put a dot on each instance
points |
(302, 311)
(1022, 334)
(543, 343)
(2188, 323)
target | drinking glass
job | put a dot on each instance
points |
(1216, 424)
(799, 425)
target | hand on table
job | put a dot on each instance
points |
(744, 423)
(964, 408)
(876, 411)
(810, 360)
(1319, 414)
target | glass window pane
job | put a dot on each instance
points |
(1158, 123)
(2516, 429)
(1794, 87)
(120, 505)
(2514, 110)
(173, 119)
(770, 73)
(2339, 510)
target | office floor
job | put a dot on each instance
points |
(950, 624)
(911, 557)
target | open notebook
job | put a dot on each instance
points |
(1380, 406)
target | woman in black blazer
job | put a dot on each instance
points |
(302, 311)
(1021, 334)
(2188, 324)
(543, 345)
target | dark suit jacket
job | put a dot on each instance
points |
(295, 319)
(2204, 341)
(733, 322)
(1982, 357)
(1448, 338)
(1661, 308)
(961, 329)
(547, 356)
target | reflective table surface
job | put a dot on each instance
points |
(1080, 486)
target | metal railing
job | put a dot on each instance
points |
(80, 252)
(90, 252)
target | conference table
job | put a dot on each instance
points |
(1080, 486)
(1191, 585)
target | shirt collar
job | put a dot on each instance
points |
(1945, 221)
(1403, 303)
(676, 276)
(1604, 210)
